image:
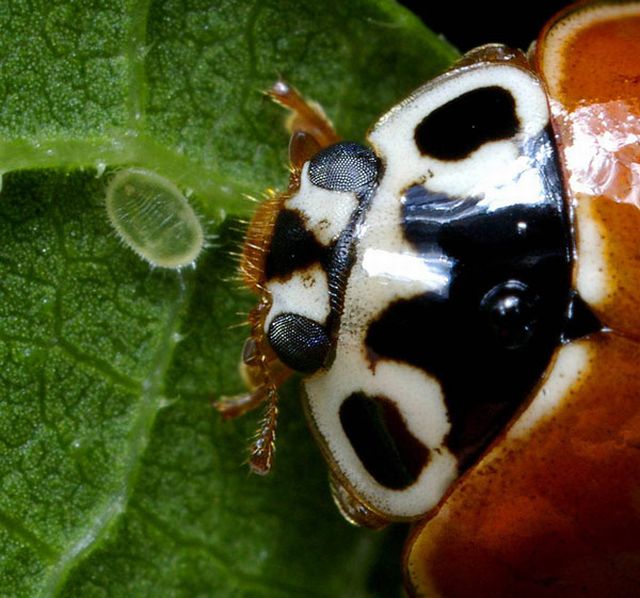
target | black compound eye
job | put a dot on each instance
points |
(345, 166)
(301, 343)
(510, 309)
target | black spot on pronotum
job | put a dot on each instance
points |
(483, 337)
(292, 247)
(345, 166)
(299, 342)
(462, 125)
(380, 437)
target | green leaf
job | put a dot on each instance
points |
(117, 477)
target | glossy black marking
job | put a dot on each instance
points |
(293, 247)
(299, 342)
(345, 166)
(380, 437)
(580, 321)
(462, 125)
(420, 206)
(488, 331)
(511, 312)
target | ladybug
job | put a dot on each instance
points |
(462, 298)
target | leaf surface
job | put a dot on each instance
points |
(116, 476)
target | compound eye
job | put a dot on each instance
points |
(345, 166)
(510, 309)
(299, 342)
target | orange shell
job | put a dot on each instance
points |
(553, 508)
(589, 57)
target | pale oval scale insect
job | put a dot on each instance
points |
(153, 217)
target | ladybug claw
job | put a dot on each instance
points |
(263, 448)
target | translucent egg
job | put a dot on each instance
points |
(154, 218)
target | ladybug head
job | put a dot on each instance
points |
(458, 298)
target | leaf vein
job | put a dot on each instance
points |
(127, 148)
(150, 402)
(136, 50)
(14, 527)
